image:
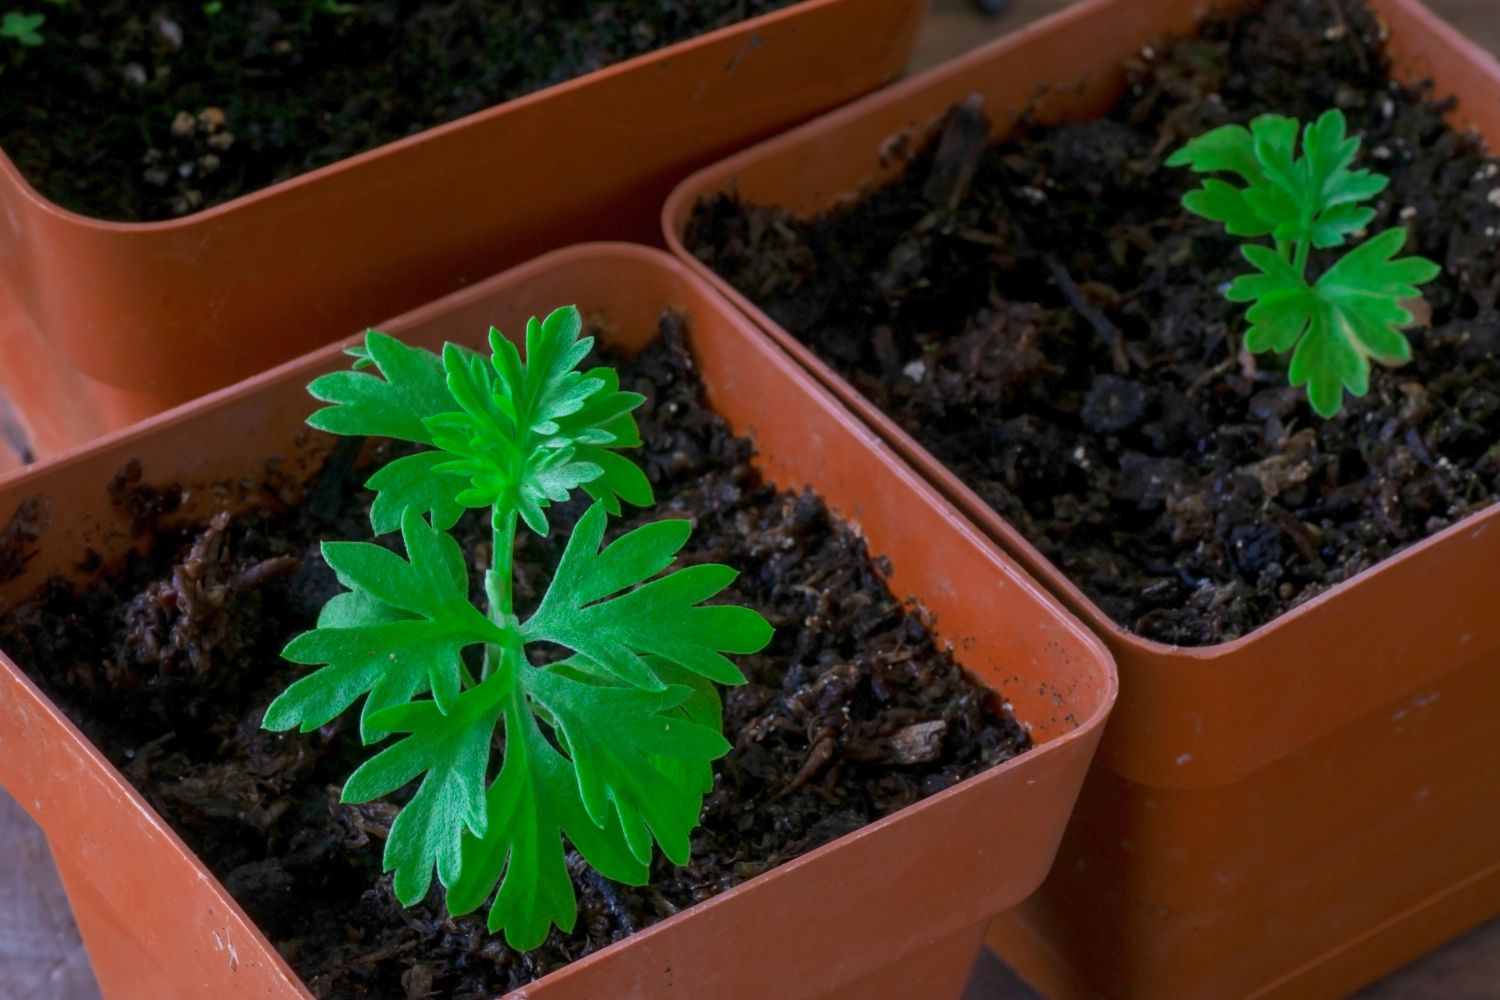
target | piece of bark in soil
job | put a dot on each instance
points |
(963, 140)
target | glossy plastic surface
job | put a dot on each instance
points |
(895, 910)
(104, 323)
(1301, 809)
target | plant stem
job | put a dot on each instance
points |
(1300, 263)
(497, 581)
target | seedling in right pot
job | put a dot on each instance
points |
(1352, 313)
(610, 746)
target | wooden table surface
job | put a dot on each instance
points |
(41, 959)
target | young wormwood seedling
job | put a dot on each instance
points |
(1351, 314)
(610, 747)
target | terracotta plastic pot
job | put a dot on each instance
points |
(103, 323)
(1290, 814)
(897, 909)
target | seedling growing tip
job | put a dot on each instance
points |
(1352, 313)
(611, 746)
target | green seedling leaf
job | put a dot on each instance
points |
(401, 631)
(414, 388)
(1351, 314)
(451, 751)
(617, 736)
(599, 429)
(1230, 149)
(531, 805)
(1334, 327)
(641, 755)
(526, 434)
(589, 610)
(416, 482)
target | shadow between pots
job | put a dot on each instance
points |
(41, 957)
(15, 443)
(992, 979)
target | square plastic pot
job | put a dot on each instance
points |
(1290, 814)
(897, 909)
(102, 323)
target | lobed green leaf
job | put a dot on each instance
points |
(1313, 197)
(1229, 205)
(617, 736)
(526, 434)
(663, 617)
(401, 633)
(532, 803)
(633, 767)
(416, 482)
(1228, 148)
(1334, 327)
(413, 388)
(451, 753)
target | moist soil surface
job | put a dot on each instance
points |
(136, 112)
(851, 713)
(1048, 321)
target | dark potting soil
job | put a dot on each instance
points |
(1047, 320)
(850, 714)
(135, 112)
